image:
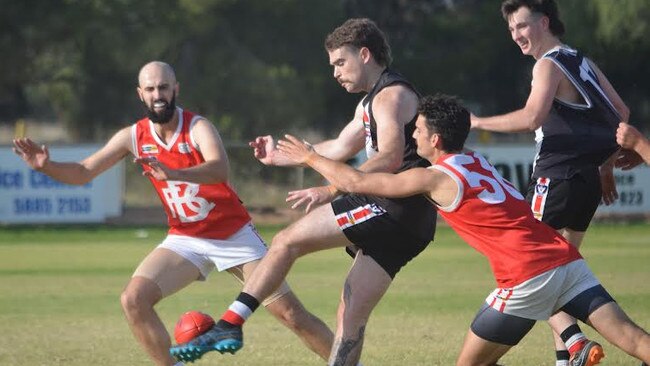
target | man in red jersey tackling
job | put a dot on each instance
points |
(184, 158)
(538, 272)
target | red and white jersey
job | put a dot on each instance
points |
(212, 211)
(493, 217)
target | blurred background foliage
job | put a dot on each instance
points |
(258, 66)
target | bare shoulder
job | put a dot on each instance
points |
(202, 129)
(397, 92)
(396, 102)
(544, 65)
(122, 137)
(202, 123)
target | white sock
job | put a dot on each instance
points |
(561, 363)
(179, 363)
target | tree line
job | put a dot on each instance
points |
(259, 66)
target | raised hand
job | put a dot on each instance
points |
(295, 149)
(34, 155)
(157, 169)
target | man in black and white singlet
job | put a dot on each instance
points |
(382, 234)
(574, 111)
(576, 136)
(411, 213)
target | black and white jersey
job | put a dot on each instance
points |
(576, 136)
(411, 158)
(414, 213)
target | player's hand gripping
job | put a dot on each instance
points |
(627, 136)
(157, 170)
(35, 156)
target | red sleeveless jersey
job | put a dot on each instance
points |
(492, 217)
(211, 211)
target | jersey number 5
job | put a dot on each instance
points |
(497, 187)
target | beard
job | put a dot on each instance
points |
(164, 116)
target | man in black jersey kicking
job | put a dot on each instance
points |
(382, 234)
(574, 111)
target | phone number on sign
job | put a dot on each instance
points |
(47, 206)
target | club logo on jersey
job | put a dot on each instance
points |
(184, 148)
(541, 189)
(183, 202)
(376, 209)
(149, 149)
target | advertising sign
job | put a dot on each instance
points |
(27, 196)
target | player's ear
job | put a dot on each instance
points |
(139, 91)
(177, 88)
(545, 22)
(436, 141)
(365, 54)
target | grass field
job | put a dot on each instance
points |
(60, 287)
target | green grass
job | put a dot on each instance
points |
(60, 286)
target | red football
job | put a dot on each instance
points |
(192, 324)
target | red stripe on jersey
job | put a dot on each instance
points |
(361, 214)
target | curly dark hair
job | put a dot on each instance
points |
(544, 7)
(361, 32)
(447, 117)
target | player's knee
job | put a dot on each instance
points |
(282, 246)
(135, 298)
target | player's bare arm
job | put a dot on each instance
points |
(348, 143)
(76, 173)
(546, 79)
(392, 108)
(213, 170)
(440, 187)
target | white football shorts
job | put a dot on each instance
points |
(244, 246)
(541, 296)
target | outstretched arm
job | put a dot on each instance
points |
(77, 173)
(348, 179)
(348, 143)
(546, 77)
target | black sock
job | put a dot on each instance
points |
(562, 355)
(249, 301)
(570, 332)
